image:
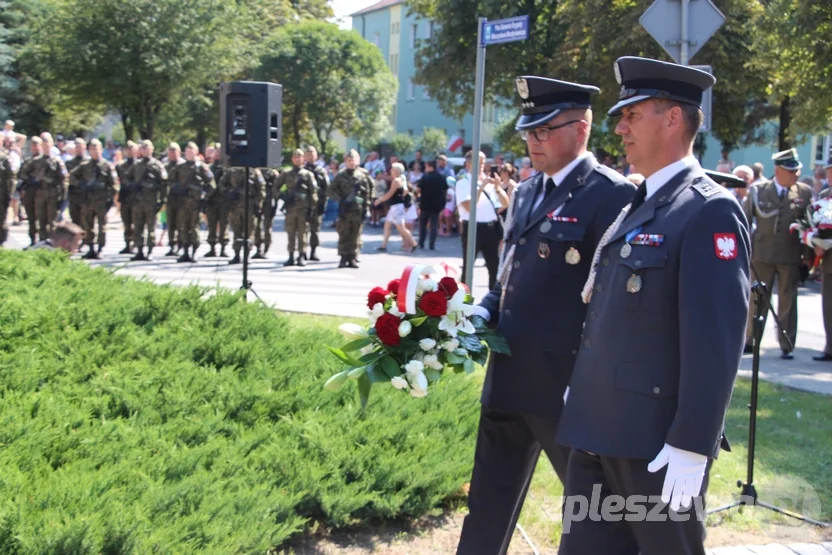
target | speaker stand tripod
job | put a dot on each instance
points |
(246, 286)
(748, 492)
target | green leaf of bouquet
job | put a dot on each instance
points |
(376, 375)
(454, 359)
(418, 321)
(356, 344)
(344, 357)
(497, 343)
(364, 386)
(468, 365)
(390, 366)
(432, 375)
(356, 373)
(471, 343)
(336, 381)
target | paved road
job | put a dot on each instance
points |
(323, 288)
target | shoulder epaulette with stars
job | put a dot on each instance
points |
(705, 187)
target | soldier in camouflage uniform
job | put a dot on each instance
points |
(126, 192)
(190, 182)
(352, 189)
(8, 179)
(172, 206)
(299, 193)
(97, 178)
(150, 178)
(75, 193)
(264, 224)
(234, 189)
(216, 206)
(322, 181)
(44, 187)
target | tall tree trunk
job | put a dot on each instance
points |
(201, 137)
(127, 124)
(783, 140)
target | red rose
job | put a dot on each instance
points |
(387, 329)
(449, 286)
(377, 295)
(393, 287)
(434, 303)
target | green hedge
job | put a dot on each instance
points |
(137, 418)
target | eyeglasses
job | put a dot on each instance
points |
(542, 133)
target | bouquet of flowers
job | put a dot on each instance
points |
(421, 326)
(815, 230)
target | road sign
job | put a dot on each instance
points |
(675, 27)
(505, 30)
(707, 101)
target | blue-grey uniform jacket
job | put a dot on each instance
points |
(542, 312)
(665, 328)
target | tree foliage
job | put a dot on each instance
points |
(402, 144)
(333, 80)
(432, 142)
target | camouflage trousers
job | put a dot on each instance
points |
(296, 228)
(76, 206)
(144, 218)
(217, 214)
(95, 208)
(188, 221)
(349, 226)
(5, 200)
(237, 220)
(126, 210)
(263, 228)
(172, 210)
(314, 227)
(46, 208)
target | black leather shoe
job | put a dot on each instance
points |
(786, 355)
(823, 357)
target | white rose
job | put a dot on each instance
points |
(352, 331)
(376, 312)
(432, 361)
(427, 344)
(398, 382)
(427, 284)
(418, 384)
(451, 345)
(405, 328)
(414, 367)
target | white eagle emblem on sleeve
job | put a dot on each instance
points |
(725, 246)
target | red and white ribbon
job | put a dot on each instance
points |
(409, 285)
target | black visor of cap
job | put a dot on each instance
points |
(662, 88)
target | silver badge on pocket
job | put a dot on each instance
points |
(543, 250)
(572, 256)
(634, 284)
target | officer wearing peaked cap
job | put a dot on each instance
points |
(554, 223)
(775, 250)
(667, 301)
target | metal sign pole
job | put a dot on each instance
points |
(479, 86)
(683, 54)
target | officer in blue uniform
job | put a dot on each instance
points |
(664, 333)
(555, 220)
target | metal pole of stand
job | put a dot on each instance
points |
(246, 215)
(748, 492)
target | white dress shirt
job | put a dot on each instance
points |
(487, 206)
(780, 189)
(659, 179)
(558, 179)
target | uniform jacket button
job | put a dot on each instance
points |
(657, 390)
(507, 312)
(592, 315)
(599, 288)
(638, 263)
(516, 264)
(521, 241)
(606, 262)
(587, 343)
(511, 289)
(560, 235)
(574, 351)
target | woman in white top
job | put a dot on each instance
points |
(396, 214)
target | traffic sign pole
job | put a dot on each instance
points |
(683, 50)
(479, 89)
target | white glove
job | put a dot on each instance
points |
(480, 311)
(685, 472)
(565, 394)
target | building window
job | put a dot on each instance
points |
(393, 116)
(394, 29)
(394, 63)
(425, 94)
(377, 39)
(430, 29)
(414, 29)
(821, 148)
(411, 89)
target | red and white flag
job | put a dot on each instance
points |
(454, 143)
